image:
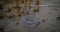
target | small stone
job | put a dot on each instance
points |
(58, 18)
(11, 16)
(43, 21)
(9, 10)
(1, 6)
(36, 10)
(1, 29)
(1, 16)
(52, 30)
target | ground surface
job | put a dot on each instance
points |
(48, 16)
